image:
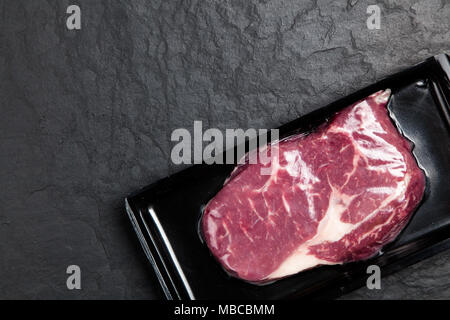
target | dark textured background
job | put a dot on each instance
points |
(86, 116)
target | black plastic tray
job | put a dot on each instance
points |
(165, 214)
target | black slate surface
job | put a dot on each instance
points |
(86, 116)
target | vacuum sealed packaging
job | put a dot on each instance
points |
(360, 182)
(333, 196)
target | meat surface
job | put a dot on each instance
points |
(336, 195)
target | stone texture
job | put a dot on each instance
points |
(86, 116)
(428, 279)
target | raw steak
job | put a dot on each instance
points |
(337, 195)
